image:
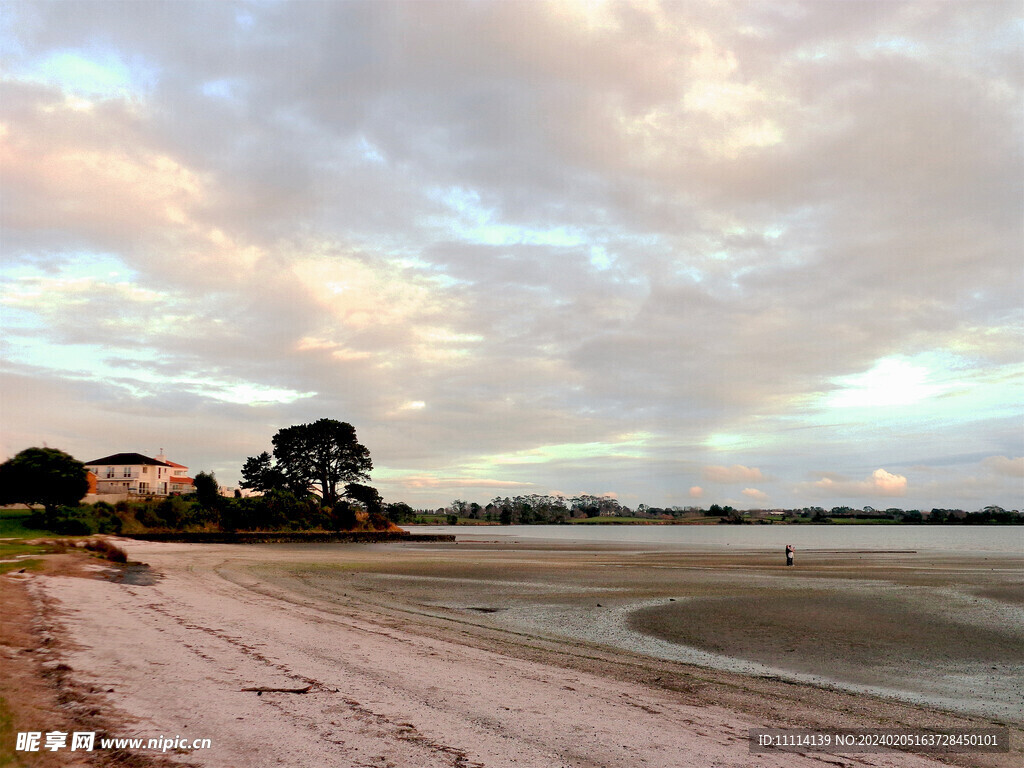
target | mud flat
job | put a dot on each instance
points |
(498, 653)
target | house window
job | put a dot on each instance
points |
(145, 469)
(127, 472)
(143, 487)
(110, 471)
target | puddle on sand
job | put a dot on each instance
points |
(135, 574)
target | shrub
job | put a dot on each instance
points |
(378, 522)
(75, 526)
(83, 520)
(147, 516)
(343, 517)
(174, 511)
(108, 550)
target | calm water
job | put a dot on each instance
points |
(952, 539)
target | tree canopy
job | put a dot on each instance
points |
(260, 474)
(207, 490)
(365, 495)
(44, 476)
(316, 457)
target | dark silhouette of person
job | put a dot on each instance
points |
(789, 554)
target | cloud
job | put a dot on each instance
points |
(428, 481)
(880, 484)
(696, 492)
(1003, 465)
(737, 473)
(755, 494)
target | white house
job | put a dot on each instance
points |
(138, 475)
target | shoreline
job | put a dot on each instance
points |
(288, 537)
(412, 689)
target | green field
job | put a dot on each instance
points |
(615, 520)
(443, 520)
(863, 521)
(13, 535)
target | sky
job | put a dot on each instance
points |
(765, 254)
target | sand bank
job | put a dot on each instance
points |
(408, 662)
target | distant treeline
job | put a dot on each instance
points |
(540, 509)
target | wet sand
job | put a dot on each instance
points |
(944, 631)
(500, 653)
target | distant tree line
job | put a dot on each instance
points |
(538, 509)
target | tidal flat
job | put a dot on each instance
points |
(934, 628)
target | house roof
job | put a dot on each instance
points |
(173, 464)
(182, 480)
(128, 459)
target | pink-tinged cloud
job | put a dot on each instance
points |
(1004, 465)
(428, 481)
(755, 494)
(696, 492)
(737, 473)
(881, 483)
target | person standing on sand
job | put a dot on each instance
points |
(789, 554)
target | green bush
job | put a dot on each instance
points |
(146, 516)
(343, 517)
(174, 511)
(75, 526)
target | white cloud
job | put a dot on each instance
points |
(1003, 465)
(891, 382)
(430, 481)
(880, 484)
(737, 473)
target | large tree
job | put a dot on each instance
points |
(260, 474)
(44, 476)
(207, 490)
(315, 457)
(365, 495)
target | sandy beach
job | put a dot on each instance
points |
(495, 653)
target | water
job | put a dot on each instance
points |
(933, 539)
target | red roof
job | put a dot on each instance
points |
(182, 480)
(172, 464)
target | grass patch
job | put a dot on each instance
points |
(864, 521)
(9, 549)
(28, 564)
(12, 550)
(12, 525)
(434, 520)
(616, 520)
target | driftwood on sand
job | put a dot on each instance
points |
(261, 690)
